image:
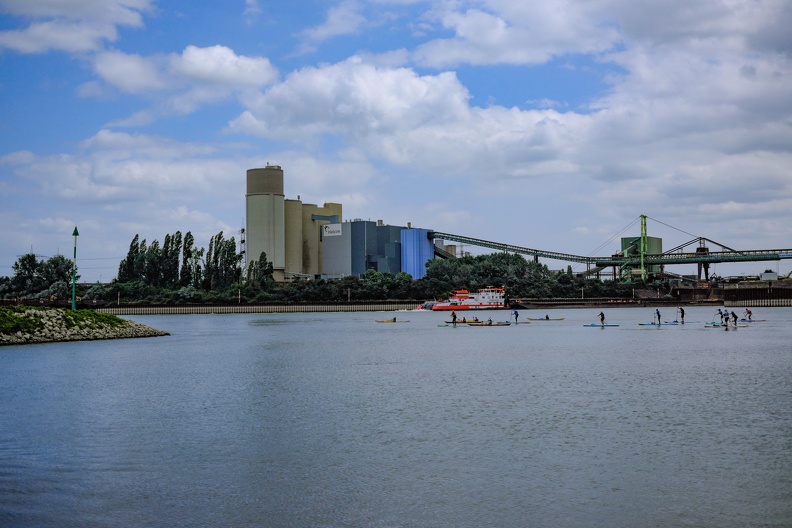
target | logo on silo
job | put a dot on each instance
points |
(331, 230)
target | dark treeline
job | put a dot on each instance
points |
(177, 271)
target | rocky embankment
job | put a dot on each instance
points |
(55, 325)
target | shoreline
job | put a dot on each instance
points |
(54, 326)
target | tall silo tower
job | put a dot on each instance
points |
(264, 217)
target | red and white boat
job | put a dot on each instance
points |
(488, 298)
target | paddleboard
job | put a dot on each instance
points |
(599, 325)
(661, 324)
(543, 319)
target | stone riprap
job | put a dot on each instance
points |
(54, 325)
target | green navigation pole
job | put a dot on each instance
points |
(644, 246)
(74, 271)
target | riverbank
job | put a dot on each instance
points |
(174, 309)
(25, 325)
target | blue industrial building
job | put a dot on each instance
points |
(352, 248)
(416, 250)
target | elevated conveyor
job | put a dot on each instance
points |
(674, 256)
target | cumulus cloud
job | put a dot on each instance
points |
(135, 183)
(181, 82)
(693, 120)
(353, 96)
(218, 65)
(404, 118)
(342, 19)
(131, 73)
(70, 25)
(504, 32)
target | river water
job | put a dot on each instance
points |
(333, 420)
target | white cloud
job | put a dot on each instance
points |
(220, 65)
(70, 25)
(132, 73)
(252, 10)
(215, 66)
(353, 96)
(181, 82)
(406, 119)
(504, 32)
(693, 127)
(342, 19)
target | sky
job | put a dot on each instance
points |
(551, 124)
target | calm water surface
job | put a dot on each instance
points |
(330, 420)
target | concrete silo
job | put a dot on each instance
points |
(293, 234)
(265, 217)
(314, 218)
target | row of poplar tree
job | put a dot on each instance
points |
(178, 263)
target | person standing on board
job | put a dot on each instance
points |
(516, 315)
(657, 313)
(725, 317)
(748, 314)
(682, 315)
(720, 312)
(453, 318)
(602, 318)
(734, 317)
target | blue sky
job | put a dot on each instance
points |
(551, 125)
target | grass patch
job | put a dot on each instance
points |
(91, 319)
(15, 319)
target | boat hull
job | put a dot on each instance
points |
(489, 298)
(452, 307)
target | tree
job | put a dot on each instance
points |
(171, 249)
(27, 279)
(152, 264)
(126, 270)
(222, 264)
(34, 278)
(261, 272)
(190, 274)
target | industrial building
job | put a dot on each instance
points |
(306, 241)
(352, 248)
(287, 231)
(631, 247)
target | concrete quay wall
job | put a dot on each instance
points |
(372, 306)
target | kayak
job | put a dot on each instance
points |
(545, 319)
(392, 321)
